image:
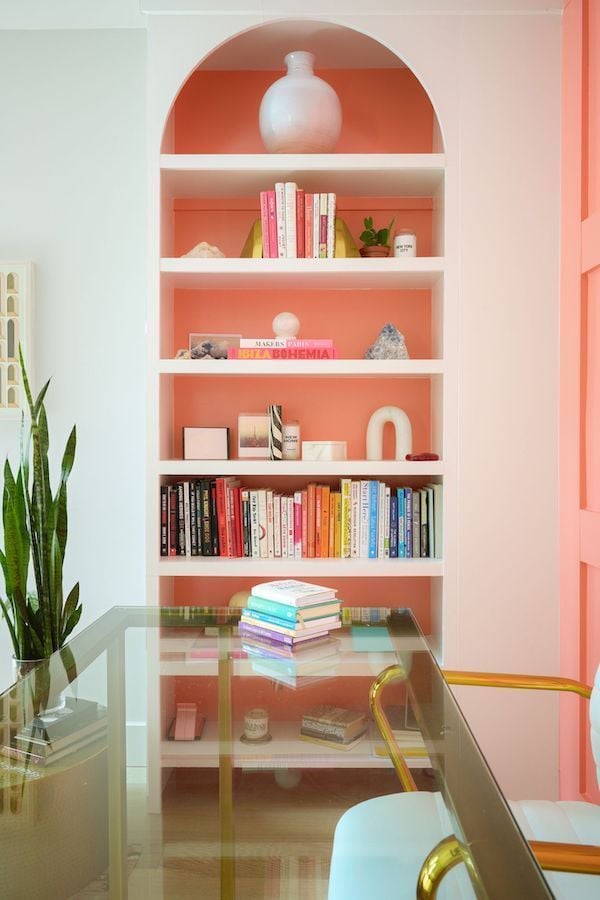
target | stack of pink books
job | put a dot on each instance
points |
(284, 348)
(289, 615)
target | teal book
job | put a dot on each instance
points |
(373, 517)
(401, 523)
(292, 613)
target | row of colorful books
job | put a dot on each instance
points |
(295, 614)
(364, 519)
(296, 224)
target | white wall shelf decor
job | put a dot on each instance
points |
(16, 299)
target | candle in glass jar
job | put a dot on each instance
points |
(405, 243)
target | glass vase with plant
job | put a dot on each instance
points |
(35, 540)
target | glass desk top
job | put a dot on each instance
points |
(162, 756)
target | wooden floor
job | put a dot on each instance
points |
(283, 833)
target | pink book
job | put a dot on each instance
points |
(272, 216)
(300, 224)
(298, 525)
(308, 226)
(264, 224)
(304, 524)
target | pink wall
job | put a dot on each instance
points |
(580, 383)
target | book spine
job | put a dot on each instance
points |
(312, 491)
(401, 524)
(270, 530)
(221, 516)
(337, 541)
(316, 224)
(262, 523)
(438, 509)
(282, 353)
(364, 519)
(180, 520)
(318, 518)
(264, 224)
(290, 219)
(297, 524)
(325, 492)
(430, 524)
(416, 525)
(286, 343)
(280, 212)
(300, 224)
(283, 503)
(386, 525)
(424, 525)
(194, 547)
(354, 519)
(308, 225)
(173, 520)
(322, 226)
(393, 526)
(373, 518)
(304, 524)
(380, 519)
(330, 226)
(254, 527)
(272, 608)
(231, 522)
(262, 632)
(277, 549)
(164, 519)
(207, 547)
(272, 215)
(245, 497)
(332, 507)
(408, 521)
(290, 527)
(345, 487)
(214, 519)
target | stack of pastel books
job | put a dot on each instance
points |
(289, 616)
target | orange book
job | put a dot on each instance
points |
(304, 524)
(325, 520)
(311, 497)
(318, 519)
(332, 497)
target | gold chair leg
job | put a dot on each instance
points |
(444, 856)
(583, 859)
(392, 673)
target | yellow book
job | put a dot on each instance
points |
(337, 519)
(325, 520)
(345, 485)
(332, 497)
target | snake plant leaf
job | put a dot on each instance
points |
(70, 605)
(11, 629)
(72, 621)
(68, 661)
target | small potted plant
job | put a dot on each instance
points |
(376, 242)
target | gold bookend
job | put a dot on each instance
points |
(344, 243)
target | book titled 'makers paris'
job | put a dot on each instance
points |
(292, 592)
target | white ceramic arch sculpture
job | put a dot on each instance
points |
(402, 427)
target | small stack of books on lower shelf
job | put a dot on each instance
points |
(289, 613)
(334, 727)
(57, 734)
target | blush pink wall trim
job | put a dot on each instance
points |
(570, 394)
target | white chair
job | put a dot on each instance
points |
(380, 845)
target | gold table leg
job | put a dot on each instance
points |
(444, 856)
(226, 779)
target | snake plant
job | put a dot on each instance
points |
(35, 538)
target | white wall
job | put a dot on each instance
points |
(73, 200)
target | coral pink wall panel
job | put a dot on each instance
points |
(391, 111)
(580, 383)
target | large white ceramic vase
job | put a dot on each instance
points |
(300, 113)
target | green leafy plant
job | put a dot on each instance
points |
(35, 537)
(371, 237)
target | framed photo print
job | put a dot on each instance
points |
(212, 346)
(253, 436)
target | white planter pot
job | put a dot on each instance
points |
(300, 113)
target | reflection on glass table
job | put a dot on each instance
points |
(252, 760)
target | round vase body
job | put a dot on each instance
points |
(300, 113)
(374, 250)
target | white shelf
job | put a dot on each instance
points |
(347, 174)
(284, 751)
(356, 274)
(304, 368)
(346, 469)
(193, 566)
